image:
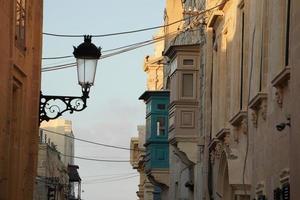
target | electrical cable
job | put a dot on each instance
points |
(91, 142)
(131, 47)
(61, 65)
(117, 33)
(104, 175)
(158, 39)
(58, 68)
(113, 49)
(86, 158)
(53, 68)
(110, 178)
(59, 57)
(120, 179)
(59, 62)
(137, 30)
(94, 159)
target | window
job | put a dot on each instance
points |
(286, 191)
(287, 32)
(173, 66)
(20, 24)
(187, 85)
(242, 59)
(148, 108)
(161, 106)
(283, 193)
(148, 128)
(188, 62)
(160, 126)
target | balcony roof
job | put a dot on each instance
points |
(159, 93)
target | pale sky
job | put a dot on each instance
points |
(114, 110)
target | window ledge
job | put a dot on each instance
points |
(213, 143)
(241, 4)
(257, 100)
(280, 82)
(285, 176)
(237, 119)
(213, 18)
(282, 78)
(223, 133)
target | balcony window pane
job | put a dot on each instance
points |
(160, 123)
(187, 85)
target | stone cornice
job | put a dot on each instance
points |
(281, 79)
(159, 178)
(213, 18)
(237, 119)
(191, 103)
(223, 133)
(176, 139)
(183, 157)
(174, 49)
(256, 101)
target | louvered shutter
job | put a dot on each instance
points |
(286, 191)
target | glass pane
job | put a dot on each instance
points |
(188, 62)
(20, 24)
(86, 69)
(160, 129)
(187, 85)
(148, 128)
(161, 106)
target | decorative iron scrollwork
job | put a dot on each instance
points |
(52, 107)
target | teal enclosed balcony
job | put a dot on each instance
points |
(157, 146)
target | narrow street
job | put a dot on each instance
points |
(149, 100)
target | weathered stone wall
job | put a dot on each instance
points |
(247, 94)
(19, 104)
(295, 99)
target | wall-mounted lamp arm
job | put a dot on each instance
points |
(52, 107)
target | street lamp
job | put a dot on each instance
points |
(87, 56)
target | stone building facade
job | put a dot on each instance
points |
(245, 120)
(246, 140)
(52, 179)
(60, 133)
(237, 139)
(247, 97)
(21, 48)
(294, 59)
(137, 162)
(152, 174)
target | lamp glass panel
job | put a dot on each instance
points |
(86, 70)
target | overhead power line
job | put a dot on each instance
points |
(137, 44)
(89, 159)
(94, 159)
(130, 48)
(114, 180)
(116, 33)
(113, 49)
(57, 67)
(109, 177)
(137, 30)
(90, 142)
(59, 57)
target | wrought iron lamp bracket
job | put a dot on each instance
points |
(52, 107)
